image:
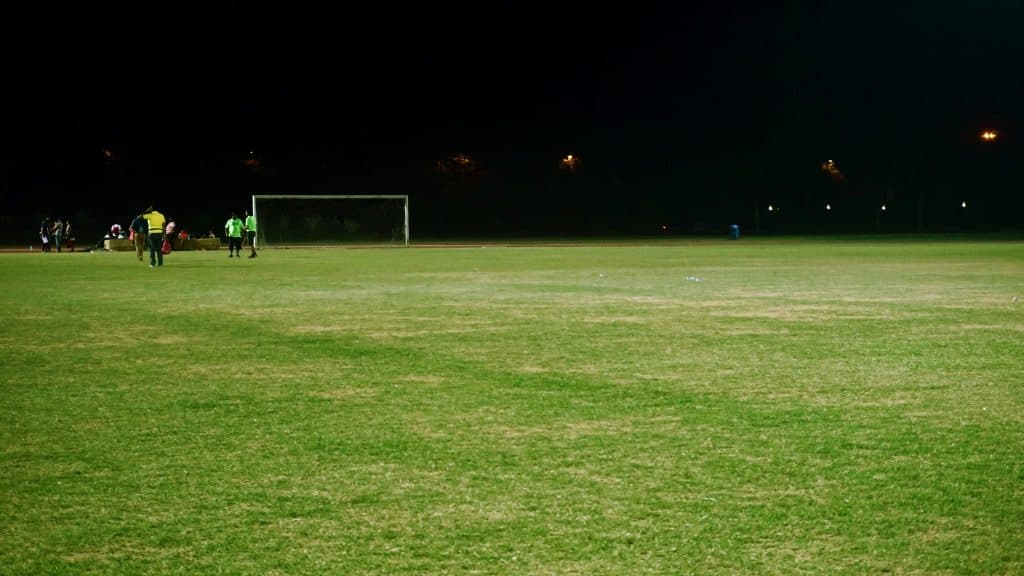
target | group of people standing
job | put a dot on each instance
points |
(150, 229)
(56, 233)
(234, 229)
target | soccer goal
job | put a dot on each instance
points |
(311, 220)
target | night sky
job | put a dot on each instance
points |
(692, 116)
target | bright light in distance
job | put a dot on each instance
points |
(771, 208)
(883, 207)
(828, 206)
(963, 204)
(989, 135)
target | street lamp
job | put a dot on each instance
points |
(989, 135)
(251, 161)
(831, 169)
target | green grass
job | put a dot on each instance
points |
(805, 408)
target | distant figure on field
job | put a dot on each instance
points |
(44, 234)
(233, 230)
(250, 232)
(58, 234)
(140, 229)
(68, 236)
(169, 232)
(155, 235)
(115, 230)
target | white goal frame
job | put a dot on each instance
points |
(403, 197)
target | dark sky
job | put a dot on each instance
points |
(706, 103)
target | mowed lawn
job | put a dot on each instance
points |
(751, 407)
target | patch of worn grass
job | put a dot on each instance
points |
(832, 408)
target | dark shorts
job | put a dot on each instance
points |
(234, 243)
(252, 236)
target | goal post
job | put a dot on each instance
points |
(330, 218)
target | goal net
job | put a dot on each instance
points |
(301, 220)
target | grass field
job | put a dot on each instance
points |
(755, 407)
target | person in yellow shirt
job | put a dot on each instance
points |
(156, 223)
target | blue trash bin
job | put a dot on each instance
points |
(734, 232)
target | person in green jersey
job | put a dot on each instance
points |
(250, 232)
(233, 230)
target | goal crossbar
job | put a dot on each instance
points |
(403, 197)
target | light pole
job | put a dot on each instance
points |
(990, 180)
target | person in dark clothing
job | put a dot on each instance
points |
(44, 234)
(140, 228)
(68, 237)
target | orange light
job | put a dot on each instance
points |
(989, 135)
